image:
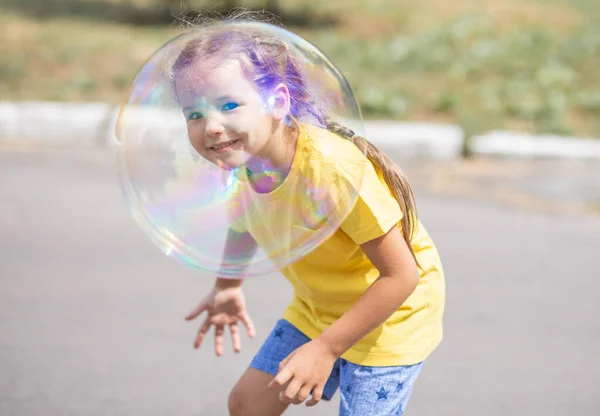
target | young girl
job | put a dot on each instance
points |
(368, 302)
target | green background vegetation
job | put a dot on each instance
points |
(529, 65)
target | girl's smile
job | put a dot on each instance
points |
(225, 146)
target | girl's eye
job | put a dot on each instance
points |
(230, 106)
(195, 116)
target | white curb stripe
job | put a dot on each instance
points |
(93, 124)
(507, 143)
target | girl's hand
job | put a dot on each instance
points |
(307, 370)
(225, 306)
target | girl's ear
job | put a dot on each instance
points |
(278, 103)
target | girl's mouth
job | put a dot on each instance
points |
(222, 147)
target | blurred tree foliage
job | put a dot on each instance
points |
(529, 76)
(152, 12)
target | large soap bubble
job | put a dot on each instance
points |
(190, 139)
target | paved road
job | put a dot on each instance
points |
(91, 315)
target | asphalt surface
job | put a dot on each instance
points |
(91, 314)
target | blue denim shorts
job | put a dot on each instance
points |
(364, 390)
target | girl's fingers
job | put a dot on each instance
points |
(245, 318)
(282, 377)
(284, 362)
(317, 394)
(302, 394)
(219, 331)
(235, 337)
(197, 310)
(202, 333)
(291, 391)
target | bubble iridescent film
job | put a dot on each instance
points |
(190, 198)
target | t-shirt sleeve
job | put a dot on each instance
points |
(375, 210)
(235, 216)
(237, 226)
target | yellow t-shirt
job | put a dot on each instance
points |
(333, 191)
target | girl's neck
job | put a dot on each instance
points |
(268, 170)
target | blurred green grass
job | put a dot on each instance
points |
(530, 65)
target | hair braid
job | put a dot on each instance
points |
(393, 176)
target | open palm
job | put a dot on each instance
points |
(224, 307)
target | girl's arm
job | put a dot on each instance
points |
(398, 278)
(306, 369)
(225, 304)
(239, 250)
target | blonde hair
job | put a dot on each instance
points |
(268, 61)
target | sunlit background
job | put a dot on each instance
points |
(529, 65)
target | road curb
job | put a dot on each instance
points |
(93, 125)
(515, 144)
(417, 140)
(61, 124)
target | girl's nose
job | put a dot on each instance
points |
(214, 128)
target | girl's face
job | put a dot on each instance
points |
(227, 120)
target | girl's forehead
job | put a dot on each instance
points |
(204, 79)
